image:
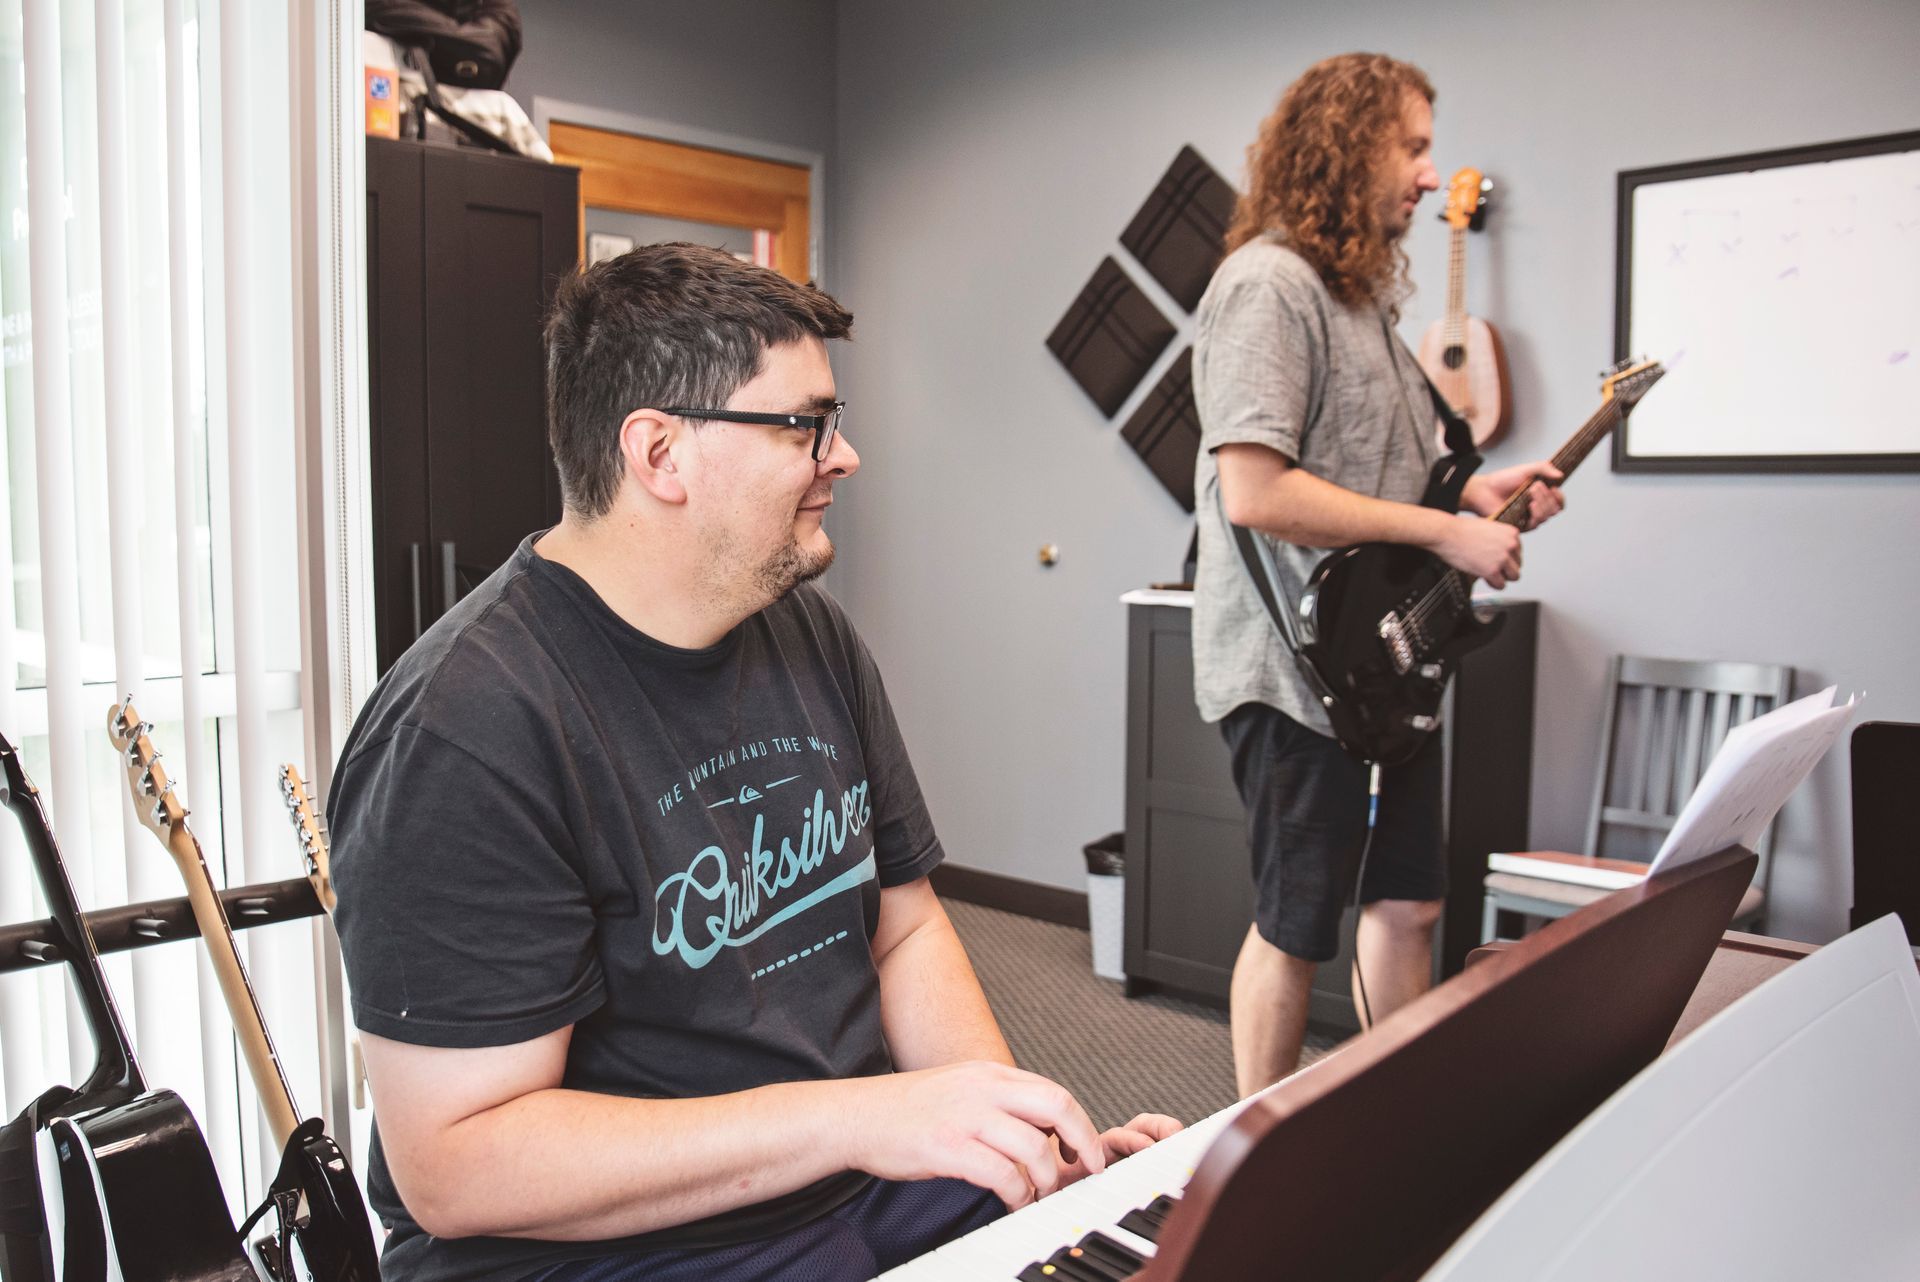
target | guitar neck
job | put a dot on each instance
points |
(1458, 584)
(1571, 455)
(243, 1007)
(1456, 331)
(116, 1074)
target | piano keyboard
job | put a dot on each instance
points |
(1102, 1228)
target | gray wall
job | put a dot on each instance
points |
(989, 155)
(760, 69)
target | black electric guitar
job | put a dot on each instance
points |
(1383, 625)
(324, 1233)
(110, 1179)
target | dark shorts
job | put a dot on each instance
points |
(1306, 803)
(881, 1228)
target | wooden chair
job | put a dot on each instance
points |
(1665, 719)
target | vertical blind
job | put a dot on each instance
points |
(173, 347)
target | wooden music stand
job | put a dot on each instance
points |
(1369, 1165)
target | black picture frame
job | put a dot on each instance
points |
(1625, 458)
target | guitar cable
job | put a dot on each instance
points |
(1359, 881)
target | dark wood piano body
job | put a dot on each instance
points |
(1369, 1165)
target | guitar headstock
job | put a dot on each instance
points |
(1467, 200)
(306, 825)
(1628, 381)
(154, 802)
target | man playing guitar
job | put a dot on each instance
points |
(1318, 430)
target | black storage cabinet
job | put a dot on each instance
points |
(464, 250)
(1189, 883)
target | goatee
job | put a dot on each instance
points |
(789, 567)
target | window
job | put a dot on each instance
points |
(150, 515)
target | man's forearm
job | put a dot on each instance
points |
(578, 1166)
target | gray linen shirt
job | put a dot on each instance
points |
(1279, 362)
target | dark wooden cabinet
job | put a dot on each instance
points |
(464, 250)
(1189, 887)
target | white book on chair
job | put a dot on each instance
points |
(1576, 870)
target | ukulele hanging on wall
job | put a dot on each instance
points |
(1462, 353)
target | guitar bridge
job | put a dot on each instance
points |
(1399, 644)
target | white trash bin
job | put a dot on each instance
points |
(1107, 905)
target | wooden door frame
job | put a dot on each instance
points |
(548, 110)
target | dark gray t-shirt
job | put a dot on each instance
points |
(545, 818)
(1278, 361)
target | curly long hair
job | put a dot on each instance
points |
(1312, 173)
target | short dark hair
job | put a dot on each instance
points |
(672, 324)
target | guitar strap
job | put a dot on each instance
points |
(1256, 558)
(1450, 473)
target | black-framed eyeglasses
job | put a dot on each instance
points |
(823, 426)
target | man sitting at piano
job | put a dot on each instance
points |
(633, 866)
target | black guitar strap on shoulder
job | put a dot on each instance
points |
(1449, 475)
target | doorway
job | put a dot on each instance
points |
(637, 187)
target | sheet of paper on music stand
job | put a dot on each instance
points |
(1757, 768)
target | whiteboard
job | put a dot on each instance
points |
(1784, 301)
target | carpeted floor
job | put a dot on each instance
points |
(1119, 1057)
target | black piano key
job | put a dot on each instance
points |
(1108, 1267)
(1058, 1268)
(1147, 1220)
(1073, 1266)
(1115, 1254)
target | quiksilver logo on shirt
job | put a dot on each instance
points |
(718, 904)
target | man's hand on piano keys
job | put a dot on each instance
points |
(989, 1124)
(1142, 1132)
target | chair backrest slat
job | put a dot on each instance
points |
(1688, 766)
(1636, 794)
(1603, 774)
(1661, 757)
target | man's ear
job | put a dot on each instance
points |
(647, 442)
